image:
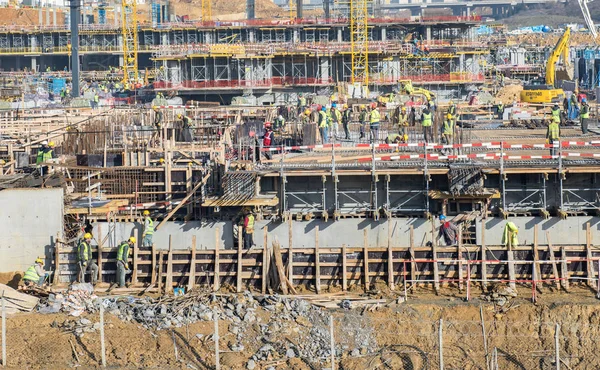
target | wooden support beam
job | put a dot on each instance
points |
(57, 263)
(413, 264)
(317, 262)
(367, 281)
(279, 265)
(460, 260)
(153, 270)
(265, 274)
(136, 247)
(183, 201)
(160, 271)
(436, 267)
(240, 259)
(217, 278)
(390, 255)
(483, 256)
(344, 269)
(564, 269)
(290, 253)
(169, 280)
(588, 251)
(536, 275)
(511, 269)
(557, 283)
(192, 278)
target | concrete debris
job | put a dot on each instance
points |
(78, 299)
(79, 327)
(500, 295)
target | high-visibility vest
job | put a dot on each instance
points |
(500, 108)
(556, 112)
(250, 226)
(123, 252)
(375, 116)
(452, 109)
(553, 131)
(448, 128)
(31, 274)
(427, 119)
(585, 112)
(392, 137)
(403, 120)
(96, 98)
(267, 138)
(322, 119)
(336, 116)
(187, 122)
(84, 252)
(43, 155)
(302, 101)
(150, 229)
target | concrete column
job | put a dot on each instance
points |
(34, 64)
(40, 19)
(33, 42)
(383, 34)
(324, 69)
(53, 17)
(339, 35)
(296, 35)
(117, 13)
(47, 16)
(121, 61)
(468, 11)
(164, 38)
(252, 36)
(428, 33)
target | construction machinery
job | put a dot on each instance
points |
(540, 92)
(409, 89)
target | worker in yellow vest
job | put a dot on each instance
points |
(86, 263)
(553, 134)
(584, 116)
(375, 118)
(555, 110)
(427, 122)
(148, 229)
(35, 274)
(123, 260)
(323, 125)
(248, 228)
(510, 236)
(448, 130)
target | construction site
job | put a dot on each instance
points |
(299, 185)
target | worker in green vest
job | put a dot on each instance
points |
(248, 228)
(148, 230)
(123, 259)
(427, 122)
(45, 153)
(323, 125)
(301, 103)
(553, 134)
(555, 111)
(584, 116)
(362, 119)
(375, 118)
(84, 258)
(96, 100)
(510, 236)
(35, 274)
(403, 122)
(500, 110)
(448, 130)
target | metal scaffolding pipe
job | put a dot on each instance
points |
(75, 7)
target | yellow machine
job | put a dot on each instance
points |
(548, 93)
(408, 88)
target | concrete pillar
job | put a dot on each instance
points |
(47, 16)
(53, 17)
(339, 35)
(164, 38)
(296, 35)
(40, 19)
(33, 43)
(121, 61)
(324, 69)
(34, 64)
(117, 15)
(383, 34)
(252, 36)
(468, 11)
(428, 33)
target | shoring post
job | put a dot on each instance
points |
(441, 343)
(557, 346)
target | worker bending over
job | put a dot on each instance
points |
(510, 236)
(84, 257)
(553, 134)
(185, 132)
(148, 230)
(449, 231)
(123, 259)
(35, 274)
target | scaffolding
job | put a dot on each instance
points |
(130, 40)
(359, 38)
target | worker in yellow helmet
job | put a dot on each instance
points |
(553, 134)
(86, 263)
(448, 129)
(148, 230)
(248, 228)
(35, 274)
(123, 259)
(186, 129)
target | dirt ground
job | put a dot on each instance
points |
(394, 336)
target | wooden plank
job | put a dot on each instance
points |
(511, 269)
(217, 278)
(169, 280)
(184, 200)
(588, 251)
(290, 253)
(192, 278)
(564, 269)
(436, 267)
(366, 259)
(317, 262)
(57, 263)
(240, 259)
(136, 247)
(536, 258)
(153, 267)
(280, 269)
(160, 271)
(264, 275)
(460, 260)
(557, 282)
(413, 264)
(344, 269)
(483, 257)
(390, 257)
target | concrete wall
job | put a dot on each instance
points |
(29, 222)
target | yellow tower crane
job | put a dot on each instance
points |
(359, 39)
(292, 6)
(130, 41)
(206, 10)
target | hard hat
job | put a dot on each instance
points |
(155, 107)
(373, 105)
(51, 143)
(307, 111)
(324, 109)
(403, 108)
(267, 124)
(299, 94)
(162, 160)
(319, 106)
(442, 217)
(449, 116)
(87, 236)
(333, 105)
(39, 260)
(451, 102)
(584, 100)
(179, 116)
(146, 213)
(132, 239)
(45, 142)
(363, 106)
(2, 162)
(280, 117)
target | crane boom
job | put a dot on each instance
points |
(561, 48)
(588, 18)
(130, 40)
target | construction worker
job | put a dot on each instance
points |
(553, 134)
(279, 122)
(185, 133)
(584, 116)
(555, 111)
(500, 110)
(346, 118)
(45, 153)
(448, 230)
(301, 103)
(448, 130)
(123, 259)
(84, 258)
(362, 118)
(336, 119)
(393, 139)
(96, 100)
(268, 139)
(510, 236)
(305, 118)
(323, 125)
(427, 122)
(403, 122)
(148, 230)
(248, 228)
(374, 119)
(573, 106)
(35, 274)
(158, 118)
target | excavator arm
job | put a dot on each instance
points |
(561, 48)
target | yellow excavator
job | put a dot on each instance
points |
(548, 93)
(408, 88)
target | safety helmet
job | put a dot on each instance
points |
(373, 105)
(345, 106)
(449, 116)
(403, 108)
(146, 213)
(87, 236)
(280, 117)
(319, 106)
(162, 160)
(451, 102)
(584, 100)
(324, 109)
(363, 106)
(51, 144)
(155, 108)
(132, 239)
(39, 260)
(333, 105)
(307, 111)
(179, 116)
(45, 142)
(267, 124)
(442, 217)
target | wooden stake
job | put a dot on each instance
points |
(283, 281)
(511, 270)
(366, 259)
(136, 247)
(564, 269)
(553, 260)
(317, 262)
(169, 280)
(160, 271)
(154, 267)
(413, 264)
(460, 260)
(390, 260)
(57, 263)
(217, 278)
(290, 254)
(265, 274)
(436, 268)
(536, 257)
(344, 269)
(588, 250)
(239, 260)
(192, 278)
(483, 256)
